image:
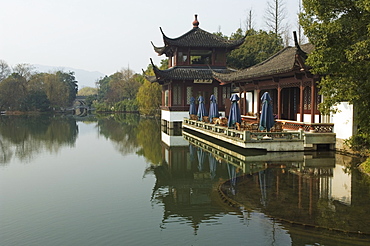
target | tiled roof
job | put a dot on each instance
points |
(284, 61)
(187, 73)
(197, 38)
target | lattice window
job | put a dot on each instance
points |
(189, 94)
(215, 92)
(295, 99)
(318, 100)
(225, 94)
(307, 98)
(177, 95)
(166, 97)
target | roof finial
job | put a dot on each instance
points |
(196, 22)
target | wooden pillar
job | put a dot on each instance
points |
(279, 102)
(163, 96)
(301, 102)
(170, 95)
(258, 91)
(241, 103)
(313, 101)
(183, 94)
(245, 102)
(170, 61)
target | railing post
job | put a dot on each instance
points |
(246, 136)
(301, 134)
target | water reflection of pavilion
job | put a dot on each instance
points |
(309, 188)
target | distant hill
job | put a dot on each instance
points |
(84, 78)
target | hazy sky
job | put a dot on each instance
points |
(107, 35)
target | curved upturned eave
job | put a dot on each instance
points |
(158, 50)
(185, 73)
(203, 40)
(286, 58)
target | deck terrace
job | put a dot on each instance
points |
(285, 140)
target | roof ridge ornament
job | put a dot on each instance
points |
(195, 22)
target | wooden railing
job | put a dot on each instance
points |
(295, 125)
(307, 127)
(243, 135)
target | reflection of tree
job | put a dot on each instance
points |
(149, 138)
(132, 134)
(122, 130)
(24, 136)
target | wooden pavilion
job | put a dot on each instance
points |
(293, 88)
(192, 59)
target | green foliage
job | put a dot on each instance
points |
(70, 82)
(119, 86)
(60, 88)
(121, 106)
(101, 106)
(13, 90)
(36, 101)
(365, 166)
(125, 106)
(257, 47)
(26, 90)
(103, 87)
(149, 98)
(359, 143)
(87, 91)
(164, 64)
(340, 31)
(91, 99)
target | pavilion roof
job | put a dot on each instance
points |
(196, 38)
(186, 73)
(286, 60)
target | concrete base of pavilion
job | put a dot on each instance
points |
(271, 141)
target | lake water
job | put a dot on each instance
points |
(120, 180)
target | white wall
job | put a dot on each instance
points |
(307, 118)
(249, 97)
(172, 116)
(174, 140)
(343, 120)
(177, 116)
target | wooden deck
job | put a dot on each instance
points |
(284, 140)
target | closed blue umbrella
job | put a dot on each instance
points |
(201, 108)
(212, 165)
(192, 108)
(234, 115)
(213, 108)
(201, 157)
(267, 117)
(232, 175)
(192, 150)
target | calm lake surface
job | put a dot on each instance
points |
(121, 180)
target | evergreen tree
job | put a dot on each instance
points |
(340, 32)
(257, 47)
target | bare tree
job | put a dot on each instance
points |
(275, 15)
(249, 23)
(25, 70)
(4, 70)
(301, 37)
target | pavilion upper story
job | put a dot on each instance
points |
(191, 59)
